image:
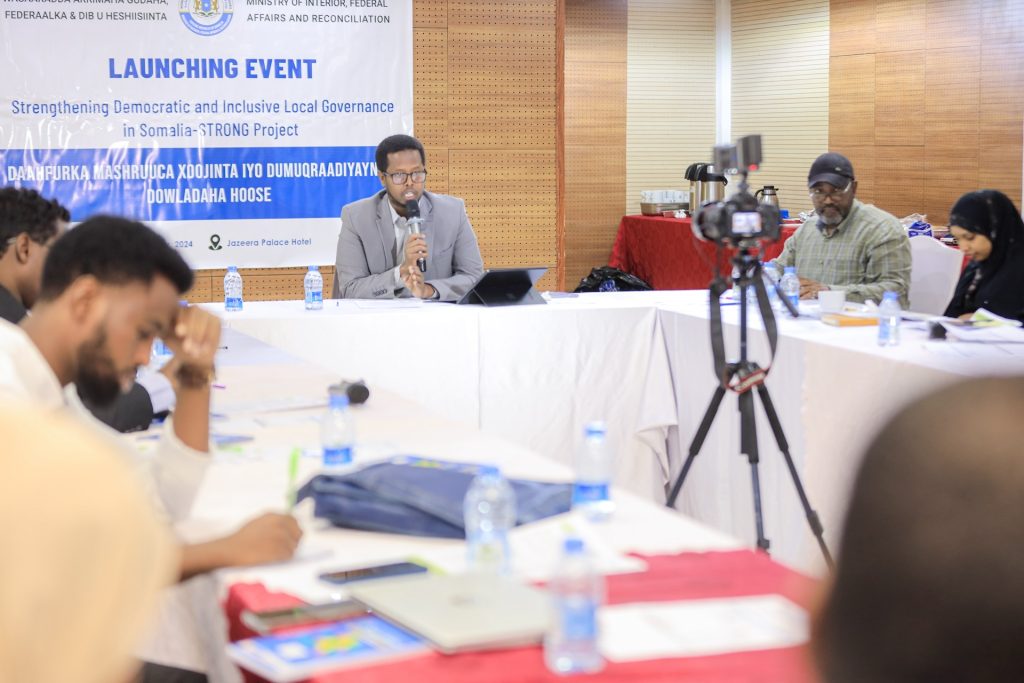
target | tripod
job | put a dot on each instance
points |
(743, 376)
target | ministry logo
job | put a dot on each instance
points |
(206, 17)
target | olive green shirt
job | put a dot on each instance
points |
(866, 255)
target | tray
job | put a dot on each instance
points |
(657, 209)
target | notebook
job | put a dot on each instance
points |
(456, 613)
(298, 655)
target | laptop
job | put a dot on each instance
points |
(459, 612)
(506, 287)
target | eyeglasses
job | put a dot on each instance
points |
(817, 195)
(400, 177)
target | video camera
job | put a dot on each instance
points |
(739, 221)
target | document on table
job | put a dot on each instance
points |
(388, 303)
(537, 548)
(996, 334)
(269, 405)
(695, 628)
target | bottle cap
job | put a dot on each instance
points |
(790, 269)
(338, 399)
(489, 471)
(313, 268)
(573, 545)
(232, 269)
(889, 295)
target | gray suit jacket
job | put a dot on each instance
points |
(365, 264)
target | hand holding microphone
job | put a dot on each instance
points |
(412, 217)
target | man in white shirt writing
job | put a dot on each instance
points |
(110, 286)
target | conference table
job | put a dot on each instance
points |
(533, 375)
(277, 398)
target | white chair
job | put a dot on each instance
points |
(934, 271)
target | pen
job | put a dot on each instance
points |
(293, 473)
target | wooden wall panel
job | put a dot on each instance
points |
(902, 172)
(900, 25)
(513, 196)
(851, 110)
(1000, 131)
(485, 99)
(952, 90)
(900, 98)
(261, 284)
(953, 23)
(430, 91)
(429, 14)
(501, 74)
(852, 27)
(595, 132)
(946, 106)
(202, 288)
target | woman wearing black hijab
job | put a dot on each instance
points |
(989, 230)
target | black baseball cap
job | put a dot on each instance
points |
(832, 168)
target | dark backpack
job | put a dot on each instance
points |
(608, 279)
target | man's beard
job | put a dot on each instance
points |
(835, 217)
(97, 379)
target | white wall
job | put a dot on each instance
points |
(670, 93)
(777, 73)
(780, 53)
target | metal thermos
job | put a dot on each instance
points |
(713, 187)
(692, 174)
(769, 194)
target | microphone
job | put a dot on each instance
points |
(413, 220)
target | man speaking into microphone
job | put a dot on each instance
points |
(404, 241)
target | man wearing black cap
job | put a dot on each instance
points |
(849, 245)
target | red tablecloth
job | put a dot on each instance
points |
(664, 253)
(670, 577)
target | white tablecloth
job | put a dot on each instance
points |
(641, 361)
(833, 388)
(533, 375)
(246, 480)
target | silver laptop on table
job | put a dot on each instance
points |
(457, 613)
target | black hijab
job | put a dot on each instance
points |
(997, 283)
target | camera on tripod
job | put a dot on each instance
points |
(739, 221)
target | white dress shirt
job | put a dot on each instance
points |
(173, 474)
(401, 232)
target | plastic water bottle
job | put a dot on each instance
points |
(159, 355)
(592, 491)
(771, 276)
(889, 320)
(314, 286)
(791, 286)
(577, 592)
(337, 433)
(490, 512)
(232, 290)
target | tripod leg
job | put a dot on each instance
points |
(780, 437)
(748, 446)
(697, 443)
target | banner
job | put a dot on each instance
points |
(238, 128)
